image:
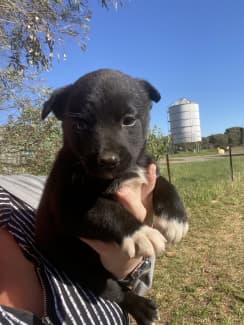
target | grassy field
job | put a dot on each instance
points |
(201, 280)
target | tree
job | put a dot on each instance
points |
(157, 144)
(205, 143)
(30, 29)
(29, 144)
(218, 140)
(33, 32)
(234, 135)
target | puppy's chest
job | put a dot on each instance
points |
(85, 191)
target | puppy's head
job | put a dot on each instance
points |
(105, 117)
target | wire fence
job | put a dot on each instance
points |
(14, 161)
(200, 179)
(229, 156)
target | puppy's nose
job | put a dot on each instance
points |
(108, 159)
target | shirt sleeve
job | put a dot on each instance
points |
(5, 208)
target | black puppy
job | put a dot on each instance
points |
(105, 118)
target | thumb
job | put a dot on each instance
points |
(131, 200)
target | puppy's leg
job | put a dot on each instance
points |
(143, 310)
(171, 219)
(109, 221)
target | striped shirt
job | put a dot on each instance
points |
(65, 303)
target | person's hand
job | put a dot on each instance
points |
(137, 199)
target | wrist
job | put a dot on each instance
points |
(142, 267)
(121, 267)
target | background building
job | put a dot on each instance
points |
(184, 122)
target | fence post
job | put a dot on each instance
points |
(168, 167)
(231, 164)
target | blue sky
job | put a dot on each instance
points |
(186, 48)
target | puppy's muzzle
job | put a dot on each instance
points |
(108, 160)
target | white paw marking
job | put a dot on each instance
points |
(172, 229)
(157, 318)
(138, 180)
(144, 242)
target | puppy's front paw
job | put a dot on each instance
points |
(144, 310)
(172, 229)
(144, 242)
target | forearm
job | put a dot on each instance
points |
(119, 264)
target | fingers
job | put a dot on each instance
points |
(112, 257)
(130, 198)
(137, 197)
(151, 180)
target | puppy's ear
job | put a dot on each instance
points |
(56, 103)
(152, 92)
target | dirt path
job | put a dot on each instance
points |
(175, 159)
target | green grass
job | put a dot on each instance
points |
(200, 182)
(201, 280)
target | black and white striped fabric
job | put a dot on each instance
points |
(65, 302)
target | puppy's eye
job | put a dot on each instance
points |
(79, 125)
(129, 120)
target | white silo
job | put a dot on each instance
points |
(184, 122)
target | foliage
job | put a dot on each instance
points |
(205, 143)
(30, 29)
(30, 144)
(17, 94)
(234, 135)
(157, 144)
(218, 140)
(33, 32)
